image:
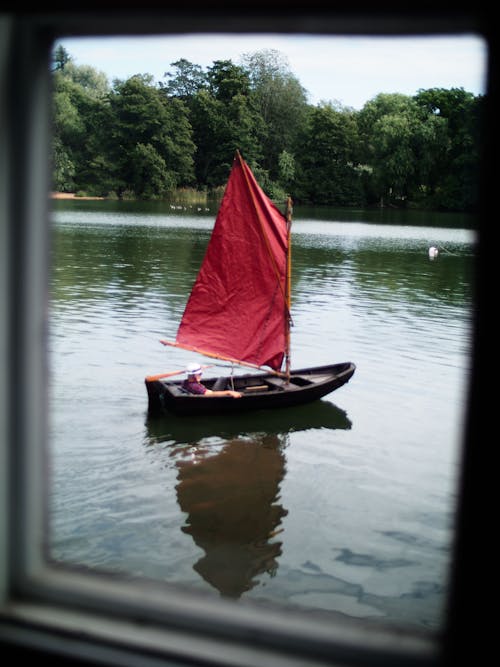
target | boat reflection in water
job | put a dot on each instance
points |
(229, 487)
(318, 415)
(231, 500)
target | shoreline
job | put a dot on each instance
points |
(71, 195)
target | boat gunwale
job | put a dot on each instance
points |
(331, 377)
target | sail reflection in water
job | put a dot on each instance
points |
(229, 473)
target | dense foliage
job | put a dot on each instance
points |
(140, 139)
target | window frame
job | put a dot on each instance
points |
(71, 612)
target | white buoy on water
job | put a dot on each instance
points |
(433, 252)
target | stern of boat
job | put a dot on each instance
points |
(156, 392)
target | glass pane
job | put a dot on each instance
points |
(343, 506)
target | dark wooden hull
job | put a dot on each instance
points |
(260, 391)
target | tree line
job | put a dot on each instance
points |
(140, 139)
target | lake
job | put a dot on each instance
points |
(345, 506)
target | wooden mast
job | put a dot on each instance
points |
(288, 317)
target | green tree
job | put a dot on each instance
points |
(225, 80)
(455, 182)
(150, 127)
(186, 80)
(224, 119)
(149, 175)
(207, 127)
(78, 102)
(149, 139)
(94, 83)
(60, 58)
(281, 102)
(402, 142)
(63, 168)
(326, 169)
(286, 164)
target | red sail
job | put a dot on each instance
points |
(237, 308)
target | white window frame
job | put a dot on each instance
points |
(66, 612)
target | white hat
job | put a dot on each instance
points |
(193, 369)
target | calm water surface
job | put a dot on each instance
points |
(345, 506)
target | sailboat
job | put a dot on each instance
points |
(239, 311)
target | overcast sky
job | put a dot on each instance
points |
(349, 70)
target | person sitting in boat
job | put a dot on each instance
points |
(193, 385)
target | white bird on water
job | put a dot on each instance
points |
(433, 252)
